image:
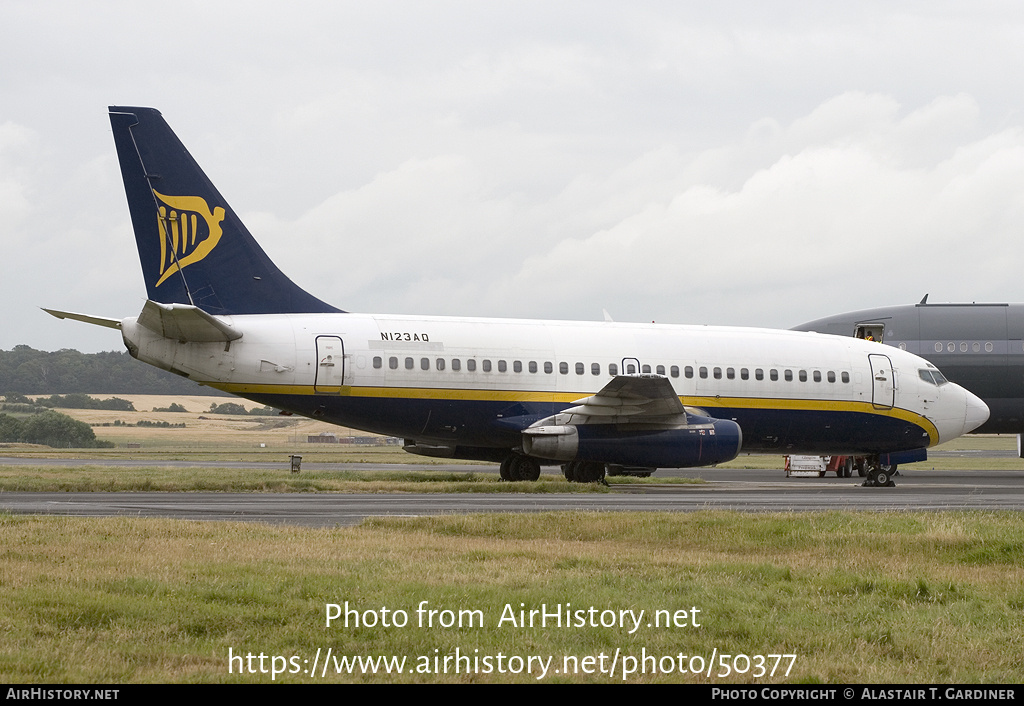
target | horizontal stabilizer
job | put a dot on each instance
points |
(186, 323)
(95, 320)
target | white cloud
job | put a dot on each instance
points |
(726, 163)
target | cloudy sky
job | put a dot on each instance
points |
(739, 163)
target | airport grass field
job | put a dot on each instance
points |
(825, 597)
(837, 597)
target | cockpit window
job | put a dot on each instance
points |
(933, 377)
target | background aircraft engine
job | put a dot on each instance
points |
(704, 444)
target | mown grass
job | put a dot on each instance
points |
(31, 478)
(858, 597)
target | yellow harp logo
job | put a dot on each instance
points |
(189, 231)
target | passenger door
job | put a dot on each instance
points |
(883, 381)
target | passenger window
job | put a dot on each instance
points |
(548, 368)
(817, 376)
(595, 368)
(563, 368)
(718, 373)
(730, 373)
(533, 366)
(440, 363)
(502, 366)
(378, 362)
(409, 364)
(579, 368)
(630, 369)
(759, 374)
(660, 370)
(393, 363)
(703, 372)
(613, 369)
(645, 369)
(471, 365)
(674, 371)
(803, 376)
(424, 363)
(789, 376)
(517, 366)
(456, 364)
(486, 366)
(831, 376)
(773, 374)
(846, 377)
(744, 374)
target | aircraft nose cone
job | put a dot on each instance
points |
(977, 412)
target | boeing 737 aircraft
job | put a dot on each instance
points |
(591, 396)
(979, 346)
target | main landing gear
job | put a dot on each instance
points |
(517, 467)
(879, 475)
(583, 472)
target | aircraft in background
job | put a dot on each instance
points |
(594, 396)
(979, 346)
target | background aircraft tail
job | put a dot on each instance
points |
(193, 247)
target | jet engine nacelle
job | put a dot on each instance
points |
(704, 444)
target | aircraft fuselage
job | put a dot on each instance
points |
(475, 384)
(979, 346)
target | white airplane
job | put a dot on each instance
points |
(594, 396)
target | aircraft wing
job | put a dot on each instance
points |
(631, 398)
(635, 420)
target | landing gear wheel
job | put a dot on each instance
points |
(590, 472)
(505, 469)
(525, 468)
(583, 472)
(517, 467)
(862, 468)
(879, 478)
(569, 471)
(848, 468)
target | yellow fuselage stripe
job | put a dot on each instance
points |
(476, 395)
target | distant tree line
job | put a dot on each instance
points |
(33, 372)
(51, 429)
(17, 402)
(79, 400)
(235, 408)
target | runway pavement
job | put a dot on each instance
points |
(726, 489)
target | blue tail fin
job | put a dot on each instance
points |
(194, 249)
